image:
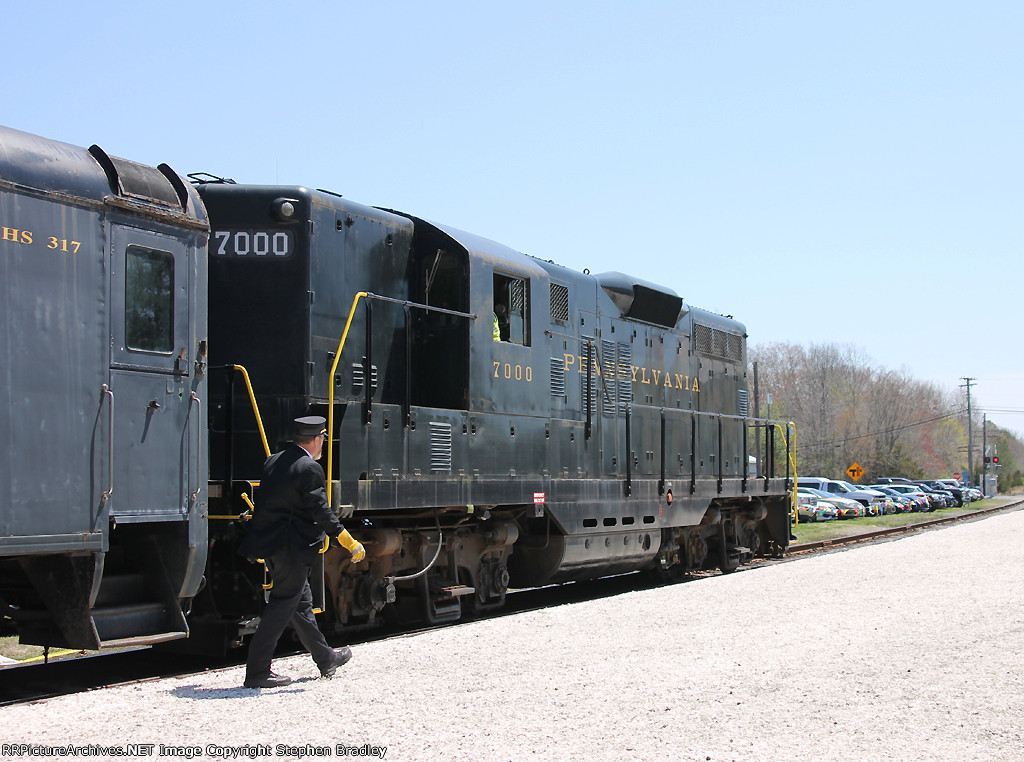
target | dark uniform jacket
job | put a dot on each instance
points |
(291, 508)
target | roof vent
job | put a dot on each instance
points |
(640, 300)
(139, 181)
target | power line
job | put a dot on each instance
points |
(893, 430)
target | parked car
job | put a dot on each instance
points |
(892, 503)
(903, 503)
(935, 500)
(892, 480)
(806, 505)
(844, 507)
(866, 497)
(924, 503)
(969, 493)
(809, 508)
(958, 495)
(974, 493)
(943, 498)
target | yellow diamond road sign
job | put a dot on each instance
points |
(855, 471)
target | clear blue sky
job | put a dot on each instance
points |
(824, 171)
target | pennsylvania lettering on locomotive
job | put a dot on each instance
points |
(637, 373)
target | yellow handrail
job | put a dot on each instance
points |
(330, 395)
(790, 453)
(255, 407)
(247, 515)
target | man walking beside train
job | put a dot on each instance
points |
(290, 523)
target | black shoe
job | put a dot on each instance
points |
(341, 656)
(270, 681)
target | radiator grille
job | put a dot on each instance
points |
(717, 343)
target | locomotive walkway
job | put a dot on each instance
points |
(908, 649)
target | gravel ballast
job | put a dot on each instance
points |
(911, 649)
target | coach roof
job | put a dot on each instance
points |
(54, 168)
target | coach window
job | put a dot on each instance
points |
(149, 300)
(512, 308)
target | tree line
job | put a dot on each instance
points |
(848, 411)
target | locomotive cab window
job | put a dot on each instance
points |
(149, 300)
(511, 309)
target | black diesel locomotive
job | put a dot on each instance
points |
(495, 420)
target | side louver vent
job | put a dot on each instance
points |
(357, 378)
(440, 446)
(595, 381)
(557, 377)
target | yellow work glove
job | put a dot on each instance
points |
(352, 545)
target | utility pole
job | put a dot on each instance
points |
(970, 433)
(984, 455)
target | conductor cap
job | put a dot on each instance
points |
(310, 426)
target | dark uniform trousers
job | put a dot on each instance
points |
(290, 600)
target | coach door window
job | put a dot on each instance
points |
(149, 300)
(512, 308)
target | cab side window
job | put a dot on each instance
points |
(511, 309)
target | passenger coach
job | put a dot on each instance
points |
(103, 472)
